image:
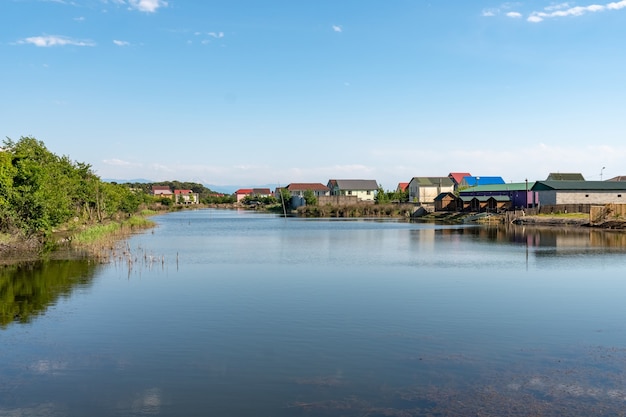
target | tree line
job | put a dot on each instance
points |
(40, 191)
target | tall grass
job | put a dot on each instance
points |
(108, 231)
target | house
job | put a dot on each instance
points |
(363, 190)
(447, 201)
(470, 181)
(402, 187)
(457, 177)
(186, 197)
(242, 193)
(519, 194)
(423, 190)
(566, 192)
(297, 189)
(162, 191)
(564, 176)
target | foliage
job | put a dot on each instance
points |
(285, 198)
(309, 198)
(40, 191)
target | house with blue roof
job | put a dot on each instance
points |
(471, 181)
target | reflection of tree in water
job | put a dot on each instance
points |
(590, 384)
(28, 289)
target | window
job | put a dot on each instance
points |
(369, 192)
(350, 192)
(619, 196)
(586, 195)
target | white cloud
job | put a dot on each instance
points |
(616, 5)
(216, 35)
(554, 10)
(52, 40)
(337, 28)
(119, 162)
(564, 10)
(147, 6)
(120, 43)
(79, 19)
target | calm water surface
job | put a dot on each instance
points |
(236, 313)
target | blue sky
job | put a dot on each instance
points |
(254, 92)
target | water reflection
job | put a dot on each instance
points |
(28, 289)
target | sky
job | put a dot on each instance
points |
(242, 93)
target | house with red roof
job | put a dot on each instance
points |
(186, 197)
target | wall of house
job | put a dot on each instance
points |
(423, 194)
(588, 197)
(337, 200)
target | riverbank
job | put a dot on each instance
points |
(96, 240)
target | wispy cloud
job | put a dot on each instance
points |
(555, 11)
(53, 40)
(146, 6)
(119, 162)
(216, 35)
(337, 28)
(121, 43)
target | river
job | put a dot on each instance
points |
(236, 313)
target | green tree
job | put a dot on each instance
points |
(309, 198)
(381, 196)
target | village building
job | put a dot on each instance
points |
(186, 197)
(363, 190)
(580, 193)
(162, 191)
(423, 190)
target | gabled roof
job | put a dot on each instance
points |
(618, 178)
(433, 181)
(480, 180)
(183, 191)
(354, 184)
(160, 188)
(441, 196)
(490, 188)
(457, 177)
(402, 186)
(565, 176)
(304, 186)
(244, 191)
(580, 186)
(261, 191)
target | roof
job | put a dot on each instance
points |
(565, 176)
(618, 178)
(579, 186)
(402, 186)
(183, 191)
(490, 188)
(484, 198)
(160, 188)
(244, 191)
(457, 177)
(480, 180)
(355, 184)
(261, 191)
(441, 196)
(433, 181)
(304, 186)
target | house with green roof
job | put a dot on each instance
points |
(519, 194)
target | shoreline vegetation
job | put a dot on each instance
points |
(51, 206)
